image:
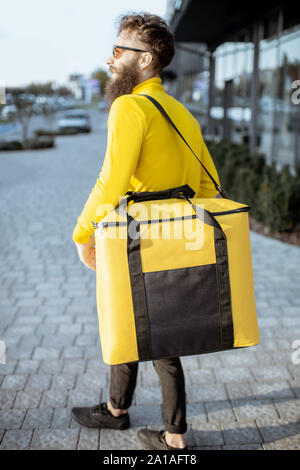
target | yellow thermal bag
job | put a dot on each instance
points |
(174, 275)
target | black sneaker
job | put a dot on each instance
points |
(100, 417)
(155, 440)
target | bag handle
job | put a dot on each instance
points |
(178, 192)
(164, 113)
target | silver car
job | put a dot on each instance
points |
(75, 119)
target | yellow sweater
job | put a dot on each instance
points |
(144, 153)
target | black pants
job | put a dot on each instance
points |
(123, 381)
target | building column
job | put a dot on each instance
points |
(275, 147)
(297, 131)
(228, 102)
(211, 93)
(257, 36)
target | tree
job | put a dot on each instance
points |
(63, 91)
(101, 75)
(24, 111)
(48, 110)
(40, 88)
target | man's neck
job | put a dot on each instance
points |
(147, 77)
(144, 80)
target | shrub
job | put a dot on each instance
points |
(274, 196)
(48, 132)
(39, 143)
(29, 144)
(12, 145)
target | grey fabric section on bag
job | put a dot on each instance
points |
(224, 289)
(183, 310)
(138, 291)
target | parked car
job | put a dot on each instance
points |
(75, 119)
(8, 112)
(102, 105)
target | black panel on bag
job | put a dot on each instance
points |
(183, 309)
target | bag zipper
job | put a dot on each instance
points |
(113, 224)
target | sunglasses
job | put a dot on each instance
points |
(116, 52)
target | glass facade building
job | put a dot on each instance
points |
(245, 88)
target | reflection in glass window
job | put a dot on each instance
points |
(268, 58)
(234, 62)
(286, 113)
(278, 119)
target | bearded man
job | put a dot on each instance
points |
(143, 154)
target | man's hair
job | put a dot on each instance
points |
(153, 31)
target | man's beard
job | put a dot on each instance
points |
(123, 83)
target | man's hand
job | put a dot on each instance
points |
(87, 252)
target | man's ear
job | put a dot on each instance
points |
(146, 60)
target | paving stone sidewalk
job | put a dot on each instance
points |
(245, 399)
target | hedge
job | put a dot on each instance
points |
(47, 132)
(274, 196)
(30, 144)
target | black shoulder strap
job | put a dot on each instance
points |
(164, 113)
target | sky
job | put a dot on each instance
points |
(47, 40)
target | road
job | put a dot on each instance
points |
(245, 399)
(13, 130)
